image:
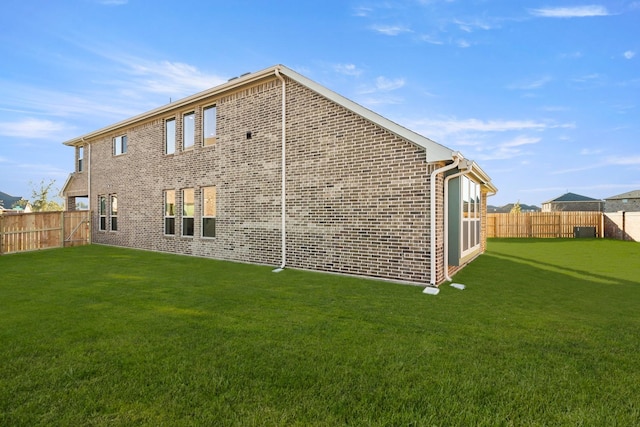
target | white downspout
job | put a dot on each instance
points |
(446, 217)
(88, 175)
(456, 160)
(283, 263)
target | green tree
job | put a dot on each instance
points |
(42, 197)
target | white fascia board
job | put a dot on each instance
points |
(435, 152)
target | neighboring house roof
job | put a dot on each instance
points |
(571, 197)
(435, 152)
(635, 194)
(7, 201)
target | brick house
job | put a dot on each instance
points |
(358, 194)
(571, 202)
(625, 202)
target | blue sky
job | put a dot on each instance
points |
(543, 95)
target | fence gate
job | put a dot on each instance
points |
(77, 227)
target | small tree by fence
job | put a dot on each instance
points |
(43, 230)
(542, 224)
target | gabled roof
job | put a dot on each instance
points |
(435, 152)
(635, 194)
(7, 200)
(572, 197)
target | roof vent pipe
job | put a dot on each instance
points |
(283, 262)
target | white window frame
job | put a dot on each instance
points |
(209, 130)
(170, 136)
(113, 212)
(209, 206)
(188, 130)
(120, 145)
(470, 216)
(188, 216)
(169, 211)
(102, 212)
(81, 158)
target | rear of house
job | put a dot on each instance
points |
(272, 168)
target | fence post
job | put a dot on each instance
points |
(1, 234)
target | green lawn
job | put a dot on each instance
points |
(547, 332)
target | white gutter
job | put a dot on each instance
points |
(469, 168)
(283, 205)
(456, 159)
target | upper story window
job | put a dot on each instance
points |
(209, 127)
(80, 159)
(188, 130)
(170, 136)
(119, 145)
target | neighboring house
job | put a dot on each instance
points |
(571, 202)
(625, 202)
(8, 204)
(273, 168)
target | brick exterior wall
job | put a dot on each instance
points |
(357, 195)
(622, 205)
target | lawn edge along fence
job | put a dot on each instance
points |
(543, 224)
(44, 230)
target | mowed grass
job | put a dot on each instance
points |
(547, 332)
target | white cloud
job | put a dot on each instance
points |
(470, 26)
(452, 126)
(590, 151)
(347, 69)
(531, 84)
(33, 128)
(391, 30)
(521, 140)
(362, 11)
(586, 78)
(570, 12)
(170, 78)
(431, 40)
(384, 84)
(624, 160)
(463, 43)
(629, 54)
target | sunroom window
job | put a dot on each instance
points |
(470, 215)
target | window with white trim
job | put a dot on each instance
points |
(119, 145)
(470, 215)
(113, 212)
(80, 159)
(188, 130)
(170, 136)
(209, 117)
(102, 213)
(187, 211)
(170, 212)
(209, 212)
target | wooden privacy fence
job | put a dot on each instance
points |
(542, 224)
(43, 230)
